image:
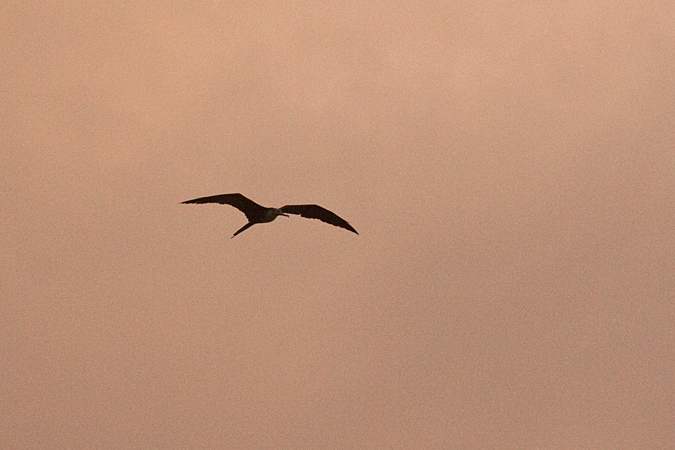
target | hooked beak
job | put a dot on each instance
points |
(285, 215)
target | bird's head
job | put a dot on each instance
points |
(279, 212)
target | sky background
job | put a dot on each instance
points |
(509, 165)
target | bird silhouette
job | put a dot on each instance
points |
(260, 214)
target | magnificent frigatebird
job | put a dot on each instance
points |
(259, 214)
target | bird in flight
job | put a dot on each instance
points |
(259, 214)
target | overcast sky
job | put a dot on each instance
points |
(509, 165)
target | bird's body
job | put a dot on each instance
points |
(260, 214)
(271, 214)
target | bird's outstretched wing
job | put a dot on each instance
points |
(317, 212)
(252, 210)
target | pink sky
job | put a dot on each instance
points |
(510, 167)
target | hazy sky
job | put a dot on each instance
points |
(509, 165)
